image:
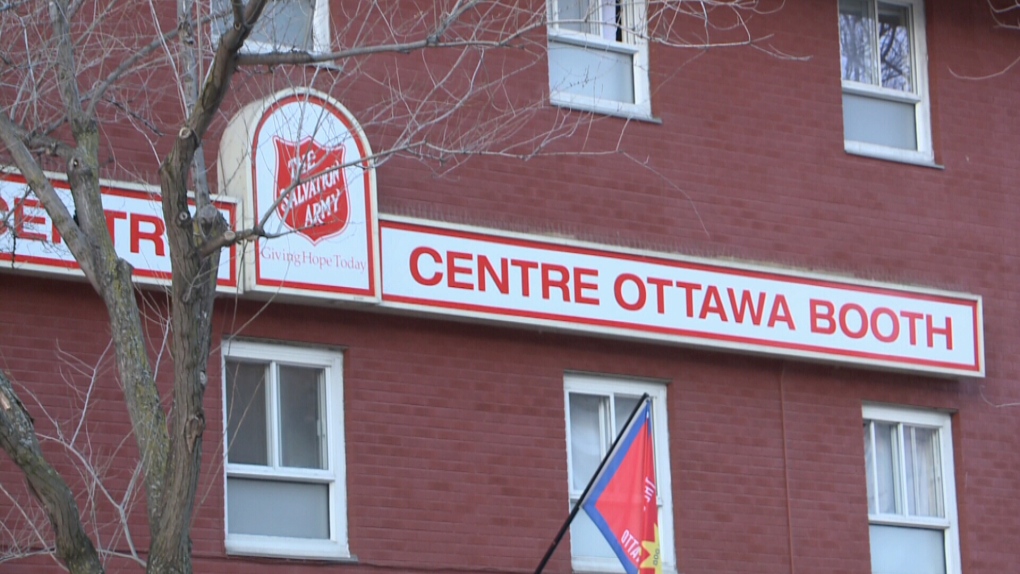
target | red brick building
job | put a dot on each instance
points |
(797, 248)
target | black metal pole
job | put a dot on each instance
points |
(580, 501)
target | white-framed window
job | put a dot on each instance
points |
(597, 409)
(598, 56)
(285, 466)
(285, 26)
(911, 491)
(885, 81)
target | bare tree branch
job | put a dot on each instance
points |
(1006, 13)
(17, 437)
(127, 66)
(43, 189)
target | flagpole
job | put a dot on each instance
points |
(580, 501)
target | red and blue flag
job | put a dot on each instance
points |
(623, 501)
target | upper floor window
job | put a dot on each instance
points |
(285, 26)
(598, 56)
(285, 487)
(597, 411)
(911, 493)
(885, 87)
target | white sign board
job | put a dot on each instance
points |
(30, 241)
(476, 273)
(301, 165)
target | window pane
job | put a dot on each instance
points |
(593, 72)
(883, 122)
(894, 47)
(624, 407)
(610, 19)
(246, 413)
(924, 473)
(881, 470)
(277, 508)
(857, 41)
(589, 436)
(898, 550)
(286, 24)
(575, 15)
(586, 433)
(598, 17)
(586, 540)
(301, 417)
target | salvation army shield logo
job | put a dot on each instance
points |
(311, 188)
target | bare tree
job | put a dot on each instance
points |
(73, 73)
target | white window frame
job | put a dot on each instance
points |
(331, 362)
(610, 386)
(942, 422)
(924, 154)
(320, 33)
(635, 25)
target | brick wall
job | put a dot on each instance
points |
(455, 432)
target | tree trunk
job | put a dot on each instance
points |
(193, 292)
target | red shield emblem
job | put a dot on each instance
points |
(316, 207)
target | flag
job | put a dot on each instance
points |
(623, 500)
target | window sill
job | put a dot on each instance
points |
(592, 41)
(291, 548)
(324, 64)
(617, 571)
(891, 154)
(586, 568)
(871, 91)
(909, 521)
(619, 110)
